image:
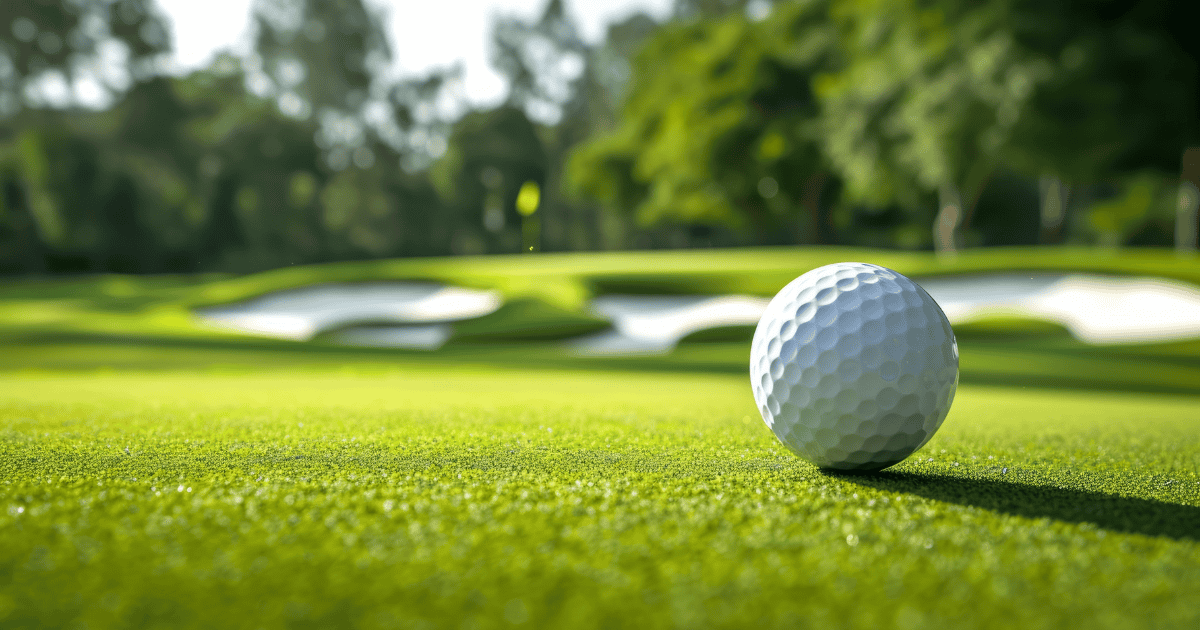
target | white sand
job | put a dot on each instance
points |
(652, 324)
(303, 313)
(1095, 309)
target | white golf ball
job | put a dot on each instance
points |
(853, 366)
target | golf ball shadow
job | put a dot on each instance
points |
(853, 366)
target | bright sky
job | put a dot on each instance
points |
(425, 34)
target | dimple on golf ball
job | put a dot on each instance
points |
(853, 366)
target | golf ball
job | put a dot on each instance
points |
(853, 366)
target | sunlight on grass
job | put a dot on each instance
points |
(407, 496)
(155, 473)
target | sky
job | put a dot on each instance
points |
(425, 34)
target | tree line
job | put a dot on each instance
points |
(896, 123)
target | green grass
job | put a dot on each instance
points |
(125, 322)
(526, 498)
(155, 473)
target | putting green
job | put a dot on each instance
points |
(488, 497)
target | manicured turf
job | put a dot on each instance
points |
(125, 322)
(538, 498)
(155, 473)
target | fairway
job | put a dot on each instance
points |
(479, 498)
(157, 473)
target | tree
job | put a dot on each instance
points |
(53, 43)
(320, 54)
(194, 172)
(327, 59)
(491, 155)
(922, 104)
(64, 203)
(542, 61)
(102, 192)
(717, 128)
(226, 168)
(933, 97)
(1124, 102)
(548, 69)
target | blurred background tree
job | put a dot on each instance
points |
(1117, 115)
(56, 52)
(492, 154)
(937, 98)
(292, 155)
(909, 123)
(65, 200)
(717, 130)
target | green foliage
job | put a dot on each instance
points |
(568, 89)
(51, 39)
(195, 171)
(924, 99)
(766, 123)
(491, 155)
(32, 163)
(934, 97)
(913, 104)
(542, 61)
(1142, 199)
(717, 126)
(326, 52)
(202, 171)
(137, 186)
(1123, 96)
(82, 195)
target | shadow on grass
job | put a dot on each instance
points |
(1111, 512)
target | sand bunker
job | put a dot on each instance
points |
(652, 324)
(301, 314)
(1095, 309)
